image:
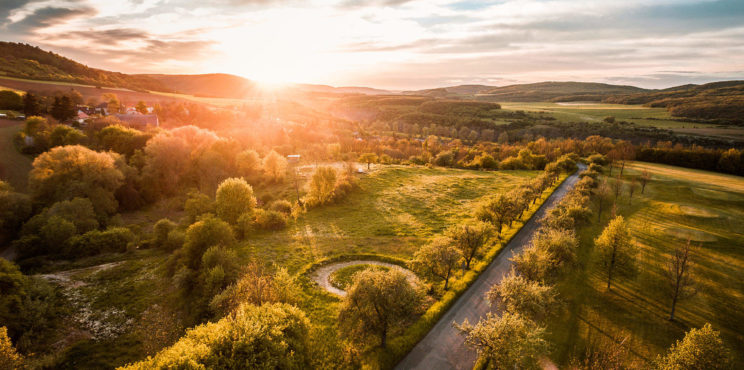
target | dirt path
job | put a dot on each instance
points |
(323, 274)
(444, 347)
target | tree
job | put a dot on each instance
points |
(517, 295)
(470, 238)
(498, 211)
(632, 187)
(15, 208)
(322, 185)
(618, 185)
(112, 102)
(66, 172)
(377, 302)
(10, 359)
(368, 158)
(275, 165)
(679, 276)
(234, 198)
(616, 252)
(31, 106)
(203, 234)
(258, 285)
(534, 264)
(560, 243)
(141, 107)
(10, 100)
(63, 108)
(65, 135)
(700, 349)
(438, 259)
(507, 342)
(249, 164)
(645, 177)
(271, 336)
(602, 193)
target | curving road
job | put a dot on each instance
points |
(444, 347)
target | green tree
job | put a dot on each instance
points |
(249, 164)
(561, 244)
(275, 166)
(201, 235)
(507, 342)
(15, 208)
(65, 135)
(517, 295)
(469, 238)
(700, 349)
(67, 172)
(271, 336)
(535, 264)
(31, 106)
(63, 108)
(368, 158)
(378, 302)
(10, 100)
(437, 259)
(498, 211)
(234, 198)
(615, 250)
(322, 185)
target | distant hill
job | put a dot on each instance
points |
(30, 62)
(722, 101)
(342, 89)
(557, 92)
(213, 85)
(459, 91)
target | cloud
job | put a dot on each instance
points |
(49, 16)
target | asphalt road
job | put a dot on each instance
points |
(444, 347)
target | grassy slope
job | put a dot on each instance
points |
(14, 166)
(395, 210)
(677, 203)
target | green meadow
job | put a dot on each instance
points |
(678, 204)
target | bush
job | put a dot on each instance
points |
(161, 230)
(270, 220)
(597, 159)
(114, 239)
(282, 206)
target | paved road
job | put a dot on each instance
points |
(444, 347)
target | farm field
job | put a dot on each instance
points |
(678, 204)
(638, 114)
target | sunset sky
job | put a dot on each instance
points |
(395, 44)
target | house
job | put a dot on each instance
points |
(139, 121)
(293, 158)
(82, 116)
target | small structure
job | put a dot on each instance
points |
(82, 116)
(139, 121)
(293, 158)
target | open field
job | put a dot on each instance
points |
(14, 166)
(707, 208)
(638, 114)
(396, 209)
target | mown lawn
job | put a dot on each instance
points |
(394, 211)
(678, 204)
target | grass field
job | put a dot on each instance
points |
(14, 166)
(395, 210)
(678, 204)
(638, 114)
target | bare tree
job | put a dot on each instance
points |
(645, 177)
(602, 193)
(617, 186)
(632, 186)
(678, 275)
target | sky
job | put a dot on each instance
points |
(395, 44)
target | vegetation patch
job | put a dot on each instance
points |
(344, 276)
(698, 212)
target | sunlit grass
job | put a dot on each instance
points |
(671, 210)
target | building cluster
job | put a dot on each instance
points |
(130, 117)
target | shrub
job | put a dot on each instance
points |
(234, 198)
(161, 230)
(113, 239)
(282, 206)
(270, 220)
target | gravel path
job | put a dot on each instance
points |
(323, 274)
(444, 347)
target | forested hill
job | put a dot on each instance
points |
(722, 101)
(218, 85)
(30, 62)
